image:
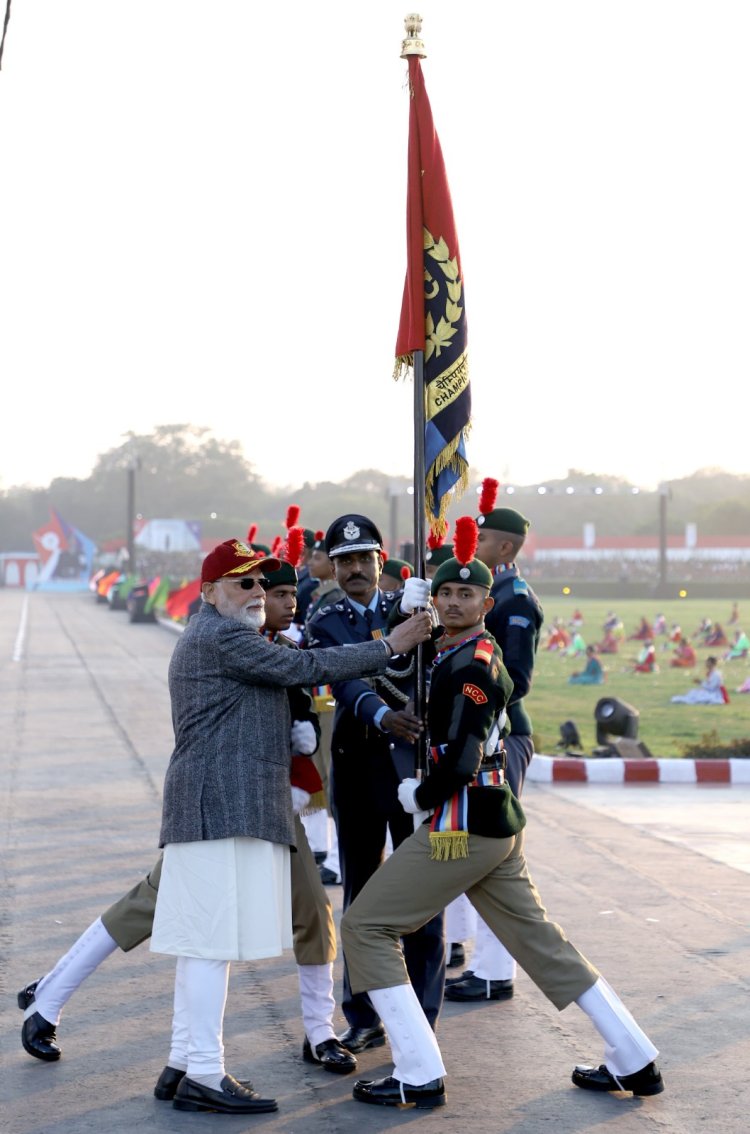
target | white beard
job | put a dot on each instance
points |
(255, 618)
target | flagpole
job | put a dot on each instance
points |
(413, 45)
(420, 677)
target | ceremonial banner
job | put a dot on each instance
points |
(433, 318)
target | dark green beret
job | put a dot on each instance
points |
(505, 520)
(286, 576)
(261, 547)
(392, 567)
(453, 571)
(309, 537)
(435, 556)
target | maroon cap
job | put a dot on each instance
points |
(233, 559)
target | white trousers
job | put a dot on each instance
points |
(84, 956)
(200, 996)
(627, 1048)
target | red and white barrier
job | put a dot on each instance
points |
(614, 770)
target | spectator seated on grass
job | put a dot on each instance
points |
(704, 629)
(740, 646)
(609, 644)
(558, 637)
(716, 637)
(593, 674)
(709, 691)
(646, 660)
(644, 633)
(577, 647)
(660, 625)
(745, 687)
(685, 656)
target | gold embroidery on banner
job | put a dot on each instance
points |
(437, 336)
(440, 335)
(444, 389)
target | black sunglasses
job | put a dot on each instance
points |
(248, 584)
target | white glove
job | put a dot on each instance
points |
(304, 740)
(416, 595)
(406, 792)
(300, 799)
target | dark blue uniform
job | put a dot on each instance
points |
(515, 622)
(365, 773)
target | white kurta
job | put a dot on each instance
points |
(224, 899)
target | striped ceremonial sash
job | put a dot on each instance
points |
(449, 827)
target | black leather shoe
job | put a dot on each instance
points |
(359, 1039)
(390, 1092)
(473, 988)
(170, 1079)
(328, 878)
(457, 979)
(167, 1083)
(457, 956)
(27, 995)
(647, 1081)
(38, 1036)
(331, 1055)
(233, 1098)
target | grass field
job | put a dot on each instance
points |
(664, 727)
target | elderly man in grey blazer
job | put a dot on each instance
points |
(227, 822)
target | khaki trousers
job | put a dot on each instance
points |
(130, 920)
(410, 888)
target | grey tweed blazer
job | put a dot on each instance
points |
(229, 772)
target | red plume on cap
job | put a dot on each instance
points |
(319, 536)
(384, 555)
(405, 573)
(292, 515)
(276, 547)
(489, 495)
(295, 542)
(434, 540)
(465, 539)
(252, 532)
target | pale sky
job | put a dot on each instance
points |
(203, 220)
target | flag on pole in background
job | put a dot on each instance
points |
(433, 316)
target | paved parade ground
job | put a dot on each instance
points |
(650, 881)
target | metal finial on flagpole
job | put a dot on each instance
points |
(413, 45)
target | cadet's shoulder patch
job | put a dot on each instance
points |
(474, 693)
(519, 620)
(520, 587)
(484, 651)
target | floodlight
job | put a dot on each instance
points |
(617, 729)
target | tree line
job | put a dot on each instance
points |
(185, 472)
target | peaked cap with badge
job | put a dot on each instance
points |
(352, 533)
(232, 559)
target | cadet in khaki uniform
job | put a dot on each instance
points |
(472, 843)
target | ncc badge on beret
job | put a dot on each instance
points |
(474, 693)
